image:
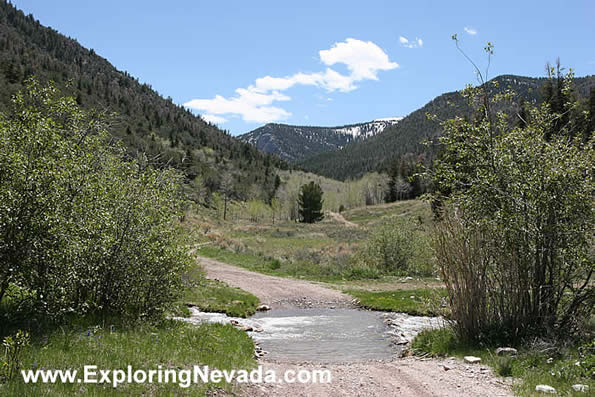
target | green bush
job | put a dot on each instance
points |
(83, 228)
(515, 243)
(436, 342)
(275, 264)
(13, 346)
(397, 248)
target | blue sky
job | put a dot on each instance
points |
(245, 63)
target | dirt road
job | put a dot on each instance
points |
(341, 219)
(409, 376)
(277, 292)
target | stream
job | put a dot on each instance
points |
(326, 335)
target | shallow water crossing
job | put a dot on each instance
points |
(327, 335)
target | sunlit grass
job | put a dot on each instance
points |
(418, 302)
(170, 345)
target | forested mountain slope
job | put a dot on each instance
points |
(404, 139)
(147, 123)
(295, 143)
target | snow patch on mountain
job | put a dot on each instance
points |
(366, 130)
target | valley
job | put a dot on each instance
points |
(448, 252)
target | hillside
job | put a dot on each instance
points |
(295, 143)
(404, 138)
(147, 123)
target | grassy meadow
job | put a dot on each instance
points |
(323, 251)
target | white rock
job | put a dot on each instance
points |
(263, 308)
(506, 351)
(472, 359)
(545, 389)
(581, 388)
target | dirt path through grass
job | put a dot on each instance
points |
(277, 292)
(341, 219)
(409, 377)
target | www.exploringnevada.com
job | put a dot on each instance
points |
(183, 377)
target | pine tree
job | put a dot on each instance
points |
(310, 203)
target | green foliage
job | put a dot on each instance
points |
(388, 249)
(437, 342)
(517, 222)
(397, 247)
(111, 345)
(152, 128)
(83, 229)
(13, 349)
(368, 190)
(417, 302)
(310, 203)
(216, 296)
(318, 251)
(275, 264)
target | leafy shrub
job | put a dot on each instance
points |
(275, 264)
(397, 248)
(388, 250)
(13, 349)
(436, 342)
(84, 229)
(517, 215)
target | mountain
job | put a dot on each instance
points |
(405, 138)
(148, 124)
(295, 143)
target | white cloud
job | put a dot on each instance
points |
(254, 104)
(211, 118)
(405, 42)
(363, 59)
(471, 31)
(251, 105)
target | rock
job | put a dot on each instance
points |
(263, 308)
(257, 329)
(549, 360)
(506, 351)
(581, 388)
(234, 322)
(246, 328)
(545, 389)
(472, 359)
(447, 367)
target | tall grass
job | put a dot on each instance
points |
(171, 345)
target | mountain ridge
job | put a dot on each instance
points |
(294, 143)
(380, 152)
